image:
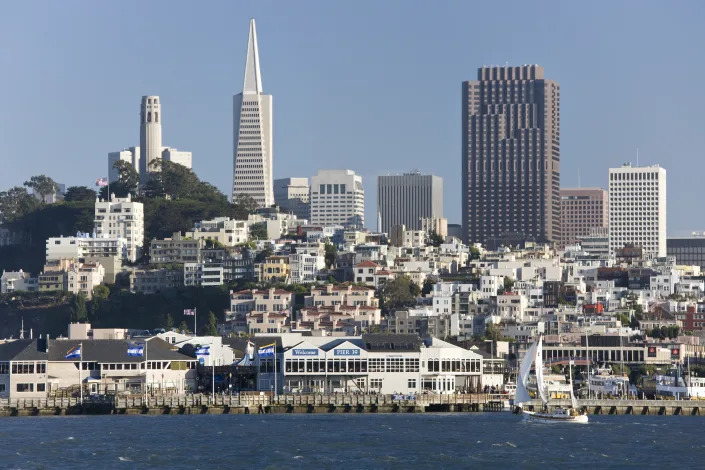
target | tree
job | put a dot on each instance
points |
(397, 294)
(168, 322)
(127, 176)
(427, 288)
(15, 203)
(176, 182)
(42, 185)
(79, 193)
(474, 253)
(213, 244)
(183, 327)
(258, 231)
(436, 239)
(508, 284)
(331, 252)
(246, 202)
(127, 183)
(100, 294)
(78, 308)
(211, 326)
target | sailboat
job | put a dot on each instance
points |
(558, 415)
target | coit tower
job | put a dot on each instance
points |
(252, 133)
(150, 135)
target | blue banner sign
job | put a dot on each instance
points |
(304, 352)
(346, 352)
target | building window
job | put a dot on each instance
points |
(25, 387)
(41, 387)
(411, 383)
(375, 384)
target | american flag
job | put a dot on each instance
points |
(100, 182)
(190, 311)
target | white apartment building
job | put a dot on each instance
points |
(221, 229)
(121, 218)
(84, 246)
(252, 133)
(337, 198)
(177, 156)
(637, 209)
(331, 295)
(402, 237)
(304, 267)
(83, 277)
(203, 274)
(17, 281)
(263, 300)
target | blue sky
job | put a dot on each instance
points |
(368, 85)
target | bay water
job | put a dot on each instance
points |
(356, 441)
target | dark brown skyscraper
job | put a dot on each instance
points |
(511, 155)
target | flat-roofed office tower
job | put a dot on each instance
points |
(252, 133)
(150, 136)
(408, 198)
(637, 209)
(292, 195)
(511, 155)
(583, 210)
(337, 198)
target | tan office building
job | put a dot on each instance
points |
(582, 210)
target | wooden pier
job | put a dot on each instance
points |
(631, 407)
(255, 403)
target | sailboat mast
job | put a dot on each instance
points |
(587, 359)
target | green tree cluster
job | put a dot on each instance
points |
(79, 193)
(436, 239)
(15, 203)
(42, 185)
(331, 252)
(398, 294)
(664, 332)
(258, 231)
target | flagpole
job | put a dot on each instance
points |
(146, 366)
(80, 366)
(195, 317)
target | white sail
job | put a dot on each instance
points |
(522, 394)
(540, 385)
(573, 401)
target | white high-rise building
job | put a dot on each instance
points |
(337, 198)
(130, 155)
(291, 195)
(252, 133)
(150, 135)
(177, 156)
(637, 209)
(121, 218)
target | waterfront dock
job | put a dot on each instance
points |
(320, 403)
(630, 407)
(252, 404)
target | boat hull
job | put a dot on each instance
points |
(552, 418)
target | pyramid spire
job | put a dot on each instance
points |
(253, 80)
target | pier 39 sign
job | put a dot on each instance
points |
(346, 352)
